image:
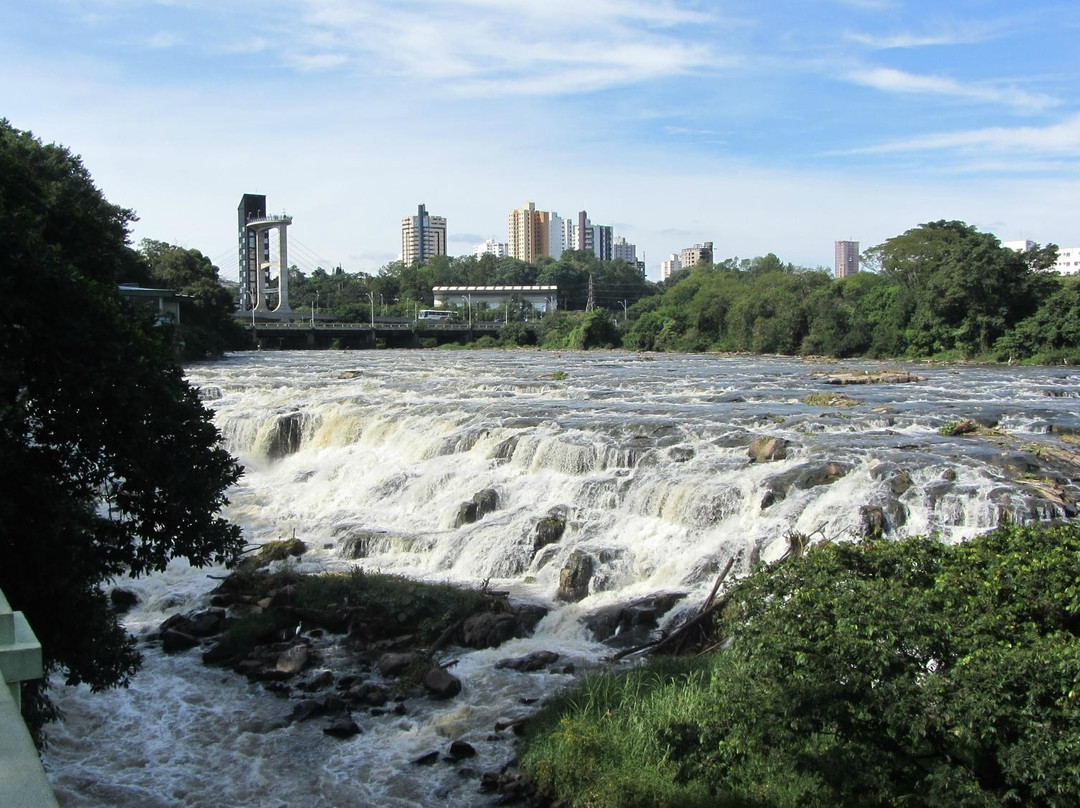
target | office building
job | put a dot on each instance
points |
(422, 237)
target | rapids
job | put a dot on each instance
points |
(372, 454)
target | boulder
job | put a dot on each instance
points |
(872, 523)
(466, 514)
(173, 641)
(488, 629)
(575, 575)
(486, 502)
(459, 750)
(286, 437)
(628, 624)
(323, 705)
(549, 530)
(766, 449)
(427, 759)
(207, 623)
(393, 663)
(292, 660)
(343, 727)
(123, 600)
(440, 684)
(530, 662)
(681, 454)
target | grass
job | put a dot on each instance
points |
(612, 740)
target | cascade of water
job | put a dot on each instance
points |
(645, 458)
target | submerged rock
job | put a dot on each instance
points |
(287, 436)
(530, 662)
(549, 529)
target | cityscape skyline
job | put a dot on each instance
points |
(758, 128)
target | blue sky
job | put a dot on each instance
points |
(760, 126)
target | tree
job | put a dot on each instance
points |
(966, 289)
(207, 321)
(111, 463)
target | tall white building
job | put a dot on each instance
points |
(847, 258)
(669, 266)
(1068, 262)
(422, 237)
(491, 247)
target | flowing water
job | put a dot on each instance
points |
(368, 457)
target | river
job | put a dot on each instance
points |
(646, 456)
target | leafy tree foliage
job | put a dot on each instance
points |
(874, 673)
(111, 463)
(207, 322)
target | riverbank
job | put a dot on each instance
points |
(878, 673)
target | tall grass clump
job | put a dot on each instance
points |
(612, 740)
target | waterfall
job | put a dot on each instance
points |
(379, 459)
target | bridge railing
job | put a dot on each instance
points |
(22, 780)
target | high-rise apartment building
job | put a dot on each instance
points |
(491, 247)
(847, 258)
(669, 266)
(698, 254)
(623, 250)
(525, 234)
(422, 237)
(582, 234)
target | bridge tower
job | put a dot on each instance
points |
(256, 264)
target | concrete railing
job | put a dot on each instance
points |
(22, 780)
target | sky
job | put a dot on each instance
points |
(778, 126)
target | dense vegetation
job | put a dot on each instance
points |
(111, 464)
(942, 289)
(208, 326)
(873, 673)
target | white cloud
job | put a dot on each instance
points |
(1060, 139)
(898, 81)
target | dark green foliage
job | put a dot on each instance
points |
(207, 322)
(111, 465)
(876, 673)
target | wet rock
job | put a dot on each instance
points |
(320, 681)
(530, 662)
(227, 651)
(287, 435)
(123, 600)
(440, 684)
(681, 454)
(627, 624)
(527, 616)
(466, 514)
(428, 759)
(293, 660)
(343, 727)
(323, 705)
(768, 499)
(486, 501)
(460, 750)
(488, 629)
(505, 450)
(549, 529)
(393, 663)
(574, 577)
(350, 374)
(173, 641)
(872, 523)
(208, 622)
(899, 483)
(766, 449)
